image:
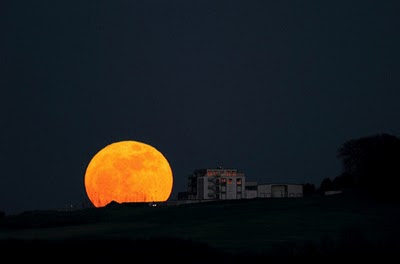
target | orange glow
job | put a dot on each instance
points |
(128, 171)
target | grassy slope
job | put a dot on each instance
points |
(259, 225)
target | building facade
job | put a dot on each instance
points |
(216, 184)
(251, 190)
(279, 190)
(229, 184)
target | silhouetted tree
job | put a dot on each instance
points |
(372, 164)
(343, 181)
(326, 185)
(308, 189)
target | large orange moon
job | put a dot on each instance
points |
(128, 171)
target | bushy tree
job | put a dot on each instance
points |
(308, 189)
(326, 185)
(372, 164)
(343, 181)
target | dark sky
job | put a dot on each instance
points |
(272, 88)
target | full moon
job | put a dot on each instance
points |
(128, 171)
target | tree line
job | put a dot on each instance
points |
(370, 165)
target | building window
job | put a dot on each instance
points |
(239, 181)
(223, 180)
(229, 181)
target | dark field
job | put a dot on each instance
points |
(314, 228)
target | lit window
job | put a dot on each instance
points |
(239, 181)
(223, 180)
(229, 181)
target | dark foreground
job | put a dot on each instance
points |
(113, 251)
(316, 229)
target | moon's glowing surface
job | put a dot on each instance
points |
(128, 171)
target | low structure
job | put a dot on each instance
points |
(332, 192)
(279, 190)
(251, 190)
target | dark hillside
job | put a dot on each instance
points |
(317, 226)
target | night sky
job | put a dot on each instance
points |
(272, 88)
